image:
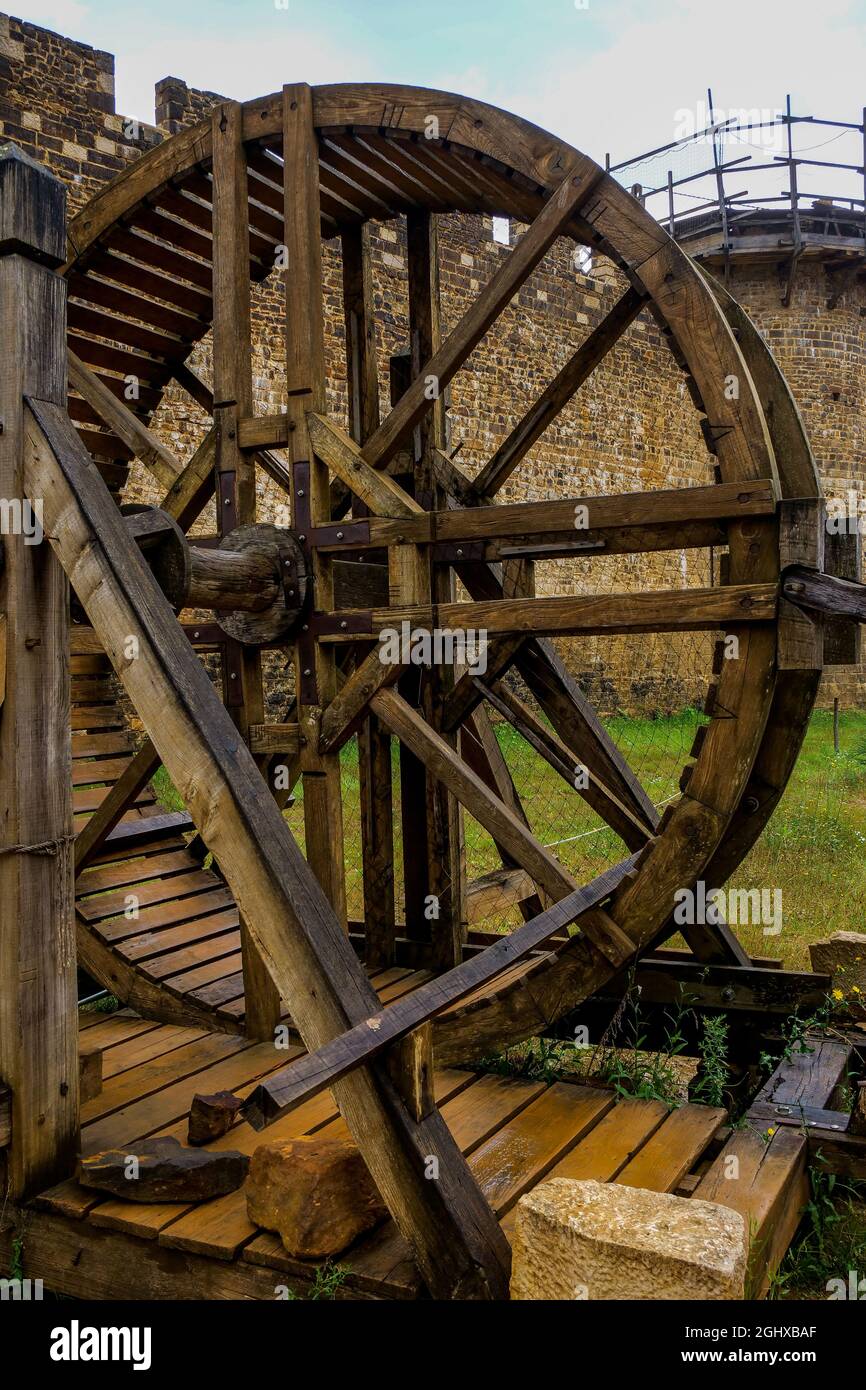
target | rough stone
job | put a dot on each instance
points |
(210, 1117)
(843, 957)
(591, 1240)
(315, 1193)
(161, 1170)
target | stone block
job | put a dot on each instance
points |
(591, 1240)
(843, 957)
(161, 1170)
(317, 1194)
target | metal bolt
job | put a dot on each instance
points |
(306, 627)
(344, 625)
(307, 671)
(300, 492)
(302, 538)
(196, 634)
(728, 995)
(227, 501)
(234, 675)
(291, 593)
(339, 535)
(459, 552)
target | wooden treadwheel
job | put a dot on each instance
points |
(162, 253)
(171, 248)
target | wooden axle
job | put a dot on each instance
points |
(247, 580)
(256, 577)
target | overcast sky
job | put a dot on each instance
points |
(614, 76)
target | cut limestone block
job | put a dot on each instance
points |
(843, 956)
(592, 1240)
(315, 1193)
(210, 1117)
(161, 1170)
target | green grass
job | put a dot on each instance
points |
(831, 1242)
(812, 849)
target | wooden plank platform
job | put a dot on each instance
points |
(515, 1132)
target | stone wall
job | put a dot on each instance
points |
(631, 427)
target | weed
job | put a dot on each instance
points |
(712, 1078)
(832, 1239)
(623, 1062)
(328, 1279)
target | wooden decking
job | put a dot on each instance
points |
(515, 1133)
(154, 926)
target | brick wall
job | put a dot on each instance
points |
(631, 427)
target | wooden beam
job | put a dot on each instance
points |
(663, 610)
(274, 738)
(263, 432)
(824, 593)
(444, 872)
(374, 742)
(38, 1024)
(193, 488)
(618, 816)
(350, 705)
(146, 446)
(580, 515)
(442, 366)
(457, 1242)
(234, 471)
(310, 1075)
(111, 810)
(560, 391)
(315, 669)
(441, 760)
(377, 490)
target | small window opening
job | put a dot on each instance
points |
(583, 260)
(502, 231)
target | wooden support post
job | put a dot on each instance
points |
(235, 471)
(445, 875)
(374, 741)
(38, 1019)
(315, 668)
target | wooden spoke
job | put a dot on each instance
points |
(560, 391)
(443, 365)
(350, 705)
(125, 424)
(502, 823)
(618, 816)
(375, 489)
(138, 773)
(480, 749)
